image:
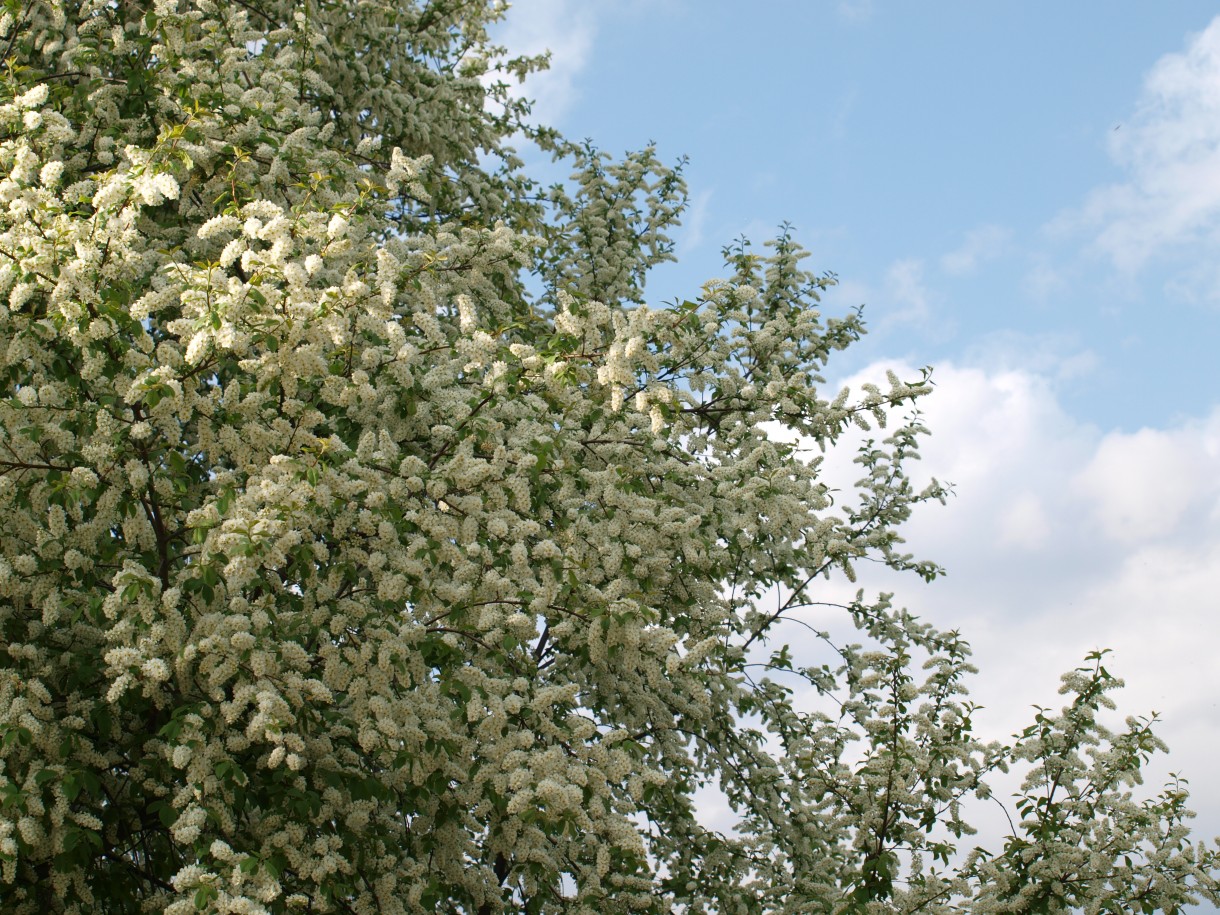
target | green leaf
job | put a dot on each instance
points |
(205, 895)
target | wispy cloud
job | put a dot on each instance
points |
(981, 244)
(842, 112)
(899, 299)
(566, 29)
(1053, 357)
(1043, 282)
(1169, 151)
(694, 223)
(908, 297)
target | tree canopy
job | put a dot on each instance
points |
(371, 546)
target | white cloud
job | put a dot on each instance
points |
(1144, 484)
(694, 223)
(565, 28)
(1043, 282)
(902, 296)
(1024, 523)
(1170, 152)
(1061, 539)
(980, 245)
(1054, 357)
(907, 296)
(900, 299)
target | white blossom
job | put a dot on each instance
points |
(370, 546)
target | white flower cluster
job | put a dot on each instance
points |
(349, 568)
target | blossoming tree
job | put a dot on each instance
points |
(369, 546)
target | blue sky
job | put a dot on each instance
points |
(941, 159)
(1027, 198)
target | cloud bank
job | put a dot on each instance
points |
(1062, 539)
(1169, 152)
